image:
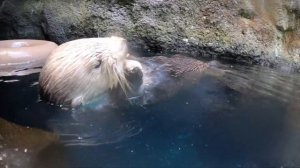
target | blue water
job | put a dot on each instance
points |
(249, 119)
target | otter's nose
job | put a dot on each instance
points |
(135, 77)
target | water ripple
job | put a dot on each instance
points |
(281, 85)
(94, 127)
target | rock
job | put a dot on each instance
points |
(243, 30)
(21, 19)
(20, 146)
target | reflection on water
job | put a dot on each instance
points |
(250, 117)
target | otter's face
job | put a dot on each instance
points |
(100, 64)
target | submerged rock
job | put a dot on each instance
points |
(244, 30)
(19, 146)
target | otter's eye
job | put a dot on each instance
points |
(98, 64)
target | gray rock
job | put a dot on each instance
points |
(245, 30)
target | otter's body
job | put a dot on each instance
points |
(165, 76)
(162, 77)
(81, 70)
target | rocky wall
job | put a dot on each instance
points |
(245, 30)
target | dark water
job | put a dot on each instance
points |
(248, 118)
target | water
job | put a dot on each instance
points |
(250, 117)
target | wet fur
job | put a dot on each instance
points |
(165, 76)
(80, 70)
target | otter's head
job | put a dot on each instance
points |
(81, 70)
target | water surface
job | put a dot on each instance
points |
(250, 117)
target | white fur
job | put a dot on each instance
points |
(83, 69)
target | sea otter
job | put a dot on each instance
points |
(80, 71)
